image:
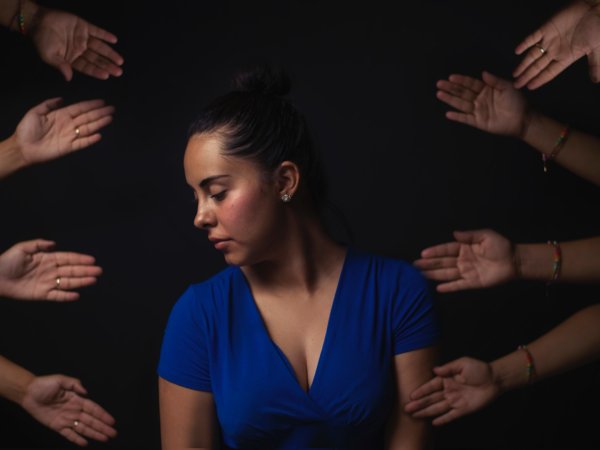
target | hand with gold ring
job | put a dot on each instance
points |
(32, 271)
(571, 33)
(59, 402)
(49, 131)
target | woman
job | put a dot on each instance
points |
(301, 342)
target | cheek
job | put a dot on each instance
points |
(245, 212)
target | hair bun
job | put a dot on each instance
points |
(263, 79)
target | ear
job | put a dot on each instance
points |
(287, 178)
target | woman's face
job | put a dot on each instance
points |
(237, 206)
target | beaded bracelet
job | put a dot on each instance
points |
(556, 261)
(530, 370)
(558, 145)
(21, 18)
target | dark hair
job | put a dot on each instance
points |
(256, 121)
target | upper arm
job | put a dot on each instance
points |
(411, 370)
(187, 417)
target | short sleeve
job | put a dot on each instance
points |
(415, 324)
(184, 357)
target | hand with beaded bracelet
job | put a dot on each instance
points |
(63, 40)
(494, 105)
(467, 385)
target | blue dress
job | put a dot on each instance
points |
(216, 341)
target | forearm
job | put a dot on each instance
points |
(574, 342)
(14, 380)
(580, 152)
(580, 261)
(11, 157)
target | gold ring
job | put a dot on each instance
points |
(541, 49)
(57, 282)
(77, 131)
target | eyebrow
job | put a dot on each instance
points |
(209, 180)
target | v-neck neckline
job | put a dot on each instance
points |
(326, 339)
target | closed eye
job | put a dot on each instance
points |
(219, 195)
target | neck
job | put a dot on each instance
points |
(305, 259)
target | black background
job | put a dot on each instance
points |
(404, 176)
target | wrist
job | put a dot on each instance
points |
(28, 16)
(11, 156)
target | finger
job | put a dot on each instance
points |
(533, 64)
(451, 415)
(72, 258)
(56, 295)
(437, 408)
(94, 122)
(86, 67)
(48, 106)
(594, 65)
(102, 63)
(529, 41)
(106, 51)
(433, 385)
(67, 284)
(549, 73)
(441, 250)
(453, 286)
(95, 410)
(78, 271)
(473, 84)
(457, 90)
(467, 119)
(84, 142)
(456, 102)
(36, 245)
(495, 82)
(83, 428)
(443, 274)
(417, 406)
(78, 109)
(91, 128)
(93, 115)
(101, 33)
(66, 70)
(72, 436)
(435, 263)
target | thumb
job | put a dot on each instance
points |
(66, 70)
(471, 236)
(494, 81)
(594, 65)
(36, 245)
(72, 384)
(48, 105)
(449, 369)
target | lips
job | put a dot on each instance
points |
(219, 243)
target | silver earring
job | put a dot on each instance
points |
(285, 198)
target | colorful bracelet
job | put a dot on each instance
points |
(558, 145)
(21, 18)
(530, 370)
(556, 261)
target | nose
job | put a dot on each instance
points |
(205, 217)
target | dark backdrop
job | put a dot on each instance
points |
(404, 176)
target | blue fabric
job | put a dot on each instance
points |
(216, 341)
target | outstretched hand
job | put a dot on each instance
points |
(491, 104)
(31, 271)
(47, 131)
(59, 403)
(567, 36)
(460, 387)
(477, 259)
(67, 42)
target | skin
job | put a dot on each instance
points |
(292, 267)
